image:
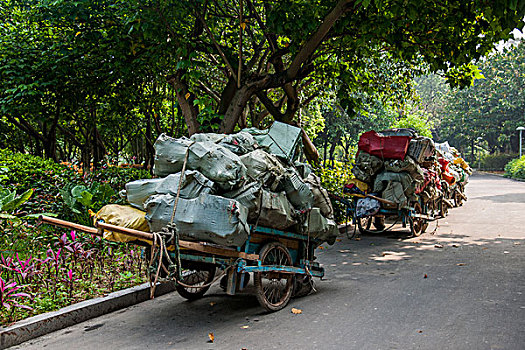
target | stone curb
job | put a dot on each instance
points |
(39, 325)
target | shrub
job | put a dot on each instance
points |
(496, 161)
(21, 172)
(516, 168)
(334, 179)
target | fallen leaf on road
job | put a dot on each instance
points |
(296, 311)
(321, 247)
(358, 238)
(461, 264)
(438, 245)
(212, 337)
(420, 331)
(338, 239)
(212, 303)
(425, 276)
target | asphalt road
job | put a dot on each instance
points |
(461, 288)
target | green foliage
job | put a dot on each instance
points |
(9, 202)
(333, 180)
(416, 119)
(516, 168)
(496, 161)
(491, 108)
(23, 172)
(60, 189)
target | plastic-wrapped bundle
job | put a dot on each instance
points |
(239, 143)
(385, 147)
(321, 198)
(263, 167)
(366, 166)
(408, 165)
(298, 192)
(321, 228)
(382, 180)
(394, 192)
(280, 139)
(214, 161)
(248, 195)
(206, 218)
(169, 154)
(273, 211)
(123, 216)
(193, 185)
(421, 148)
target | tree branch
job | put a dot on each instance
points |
(316, 39)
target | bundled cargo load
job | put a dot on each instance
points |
(384, 147)
(230, 182)
(192, 185)
(206, 218)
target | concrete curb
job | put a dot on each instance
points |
(500, 175)
(39, 325)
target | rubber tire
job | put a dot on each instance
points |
(258, 278)
(417, 226)
(199, 293)
(303, 285)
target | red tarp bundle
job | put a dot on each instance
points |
(384, 147)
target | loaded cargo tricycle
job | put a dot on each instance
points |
(282, 263)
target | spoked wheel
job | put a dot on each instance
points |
(417, 225)
(303, 285)
(443, 208)
(458, 199)
(365, 224)
(274, 289)
(195, 276)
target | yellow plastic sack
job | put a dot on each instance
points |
(461, 162)
(123, 216)
(363, 186)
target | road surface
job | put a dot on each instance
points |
(461, 288)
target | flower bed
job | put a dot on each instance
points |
(44, 268)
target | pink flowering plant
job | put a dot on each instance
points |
(60, 270)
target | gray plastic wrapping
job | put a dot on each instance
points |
(248, 195)
(366, 166)
(382, 180)
(206, 218)
(239, 143)
(322, 228)
(408, 165)
(321, 198)
(169, 154)
(421, 148)
(394, 193)
(280, 139)
(297, 191)
(274, 211)
(214, 161)
(193, 185)
(263, 167)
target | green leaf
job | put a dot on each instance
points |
(85, 198)
(17, 202)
